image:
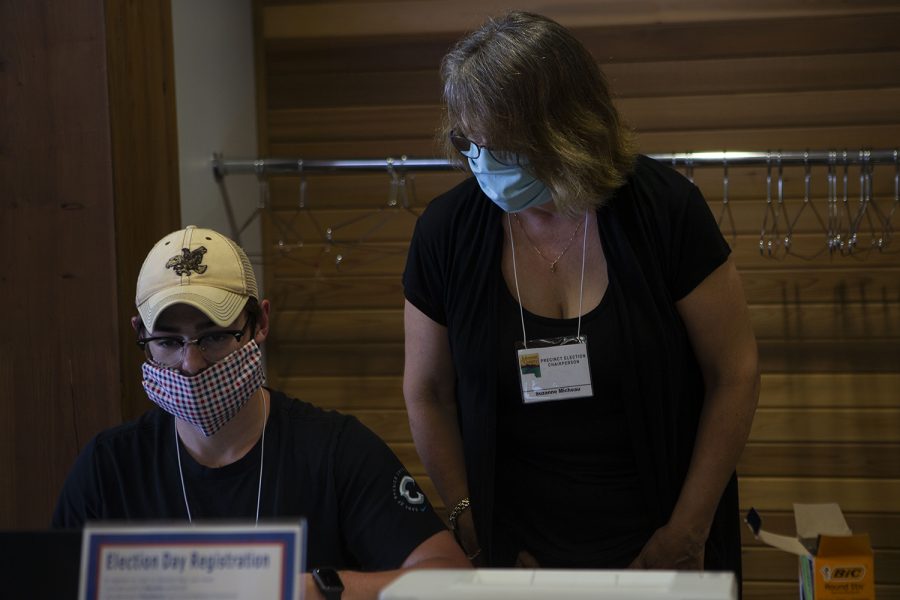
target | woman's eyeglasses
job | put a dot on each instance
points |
(470, 149)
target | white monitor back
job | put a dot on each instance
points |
(497, 584)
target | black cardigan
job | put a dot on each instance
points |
(661, 240)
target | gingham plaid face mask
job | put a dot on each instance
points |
(213, 396)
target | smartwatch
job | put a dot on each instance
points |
(329, 583)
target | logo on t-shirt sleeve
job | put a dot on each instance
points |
(407, 492)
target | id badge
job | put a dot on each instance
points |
(554, 369)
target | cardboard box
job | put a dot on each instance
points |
(835, 564)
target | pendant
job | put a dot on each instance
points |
(553, 267)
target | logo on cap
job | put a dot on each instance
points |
(188, 261)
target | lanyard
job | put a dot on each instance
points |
(262, 455)
(512, 245)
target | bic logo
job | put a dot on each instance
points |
(849, 573)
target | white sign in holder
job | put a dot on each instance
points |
(196, 562)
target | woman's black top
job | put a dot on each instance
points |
(660, 241)
(568, 490)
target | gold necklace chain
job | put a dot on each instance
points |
(553, 263)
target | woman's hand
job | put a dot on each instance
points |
(525, 560)
(672, 547)
(468, 539)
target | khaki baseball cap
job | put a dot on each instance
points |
(199, 267)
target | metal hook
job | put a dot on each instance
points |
(301, 203)
(809, 205)
(833, 233)
(402, 191)
(864, 196)
(726, 207)
(782, 210)
(259, 166)
(888, 224)
(766, 245)
(394, 189)
(884, 237)
(849, 242)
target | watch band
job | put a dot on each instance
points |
(329, 582)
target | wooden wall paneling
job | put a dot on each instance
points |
(762, 140)
(788, 356)
(338, 291)
(90, 153)
(843, 390)
(421, 86)
(59, 375)
(763, 78)
(778, 390)
(637, 47)
(832, 458)
(360, 191)
(854, 494)
(349, 392)
(835, 425)
(292, 359)
(837, 108)
(143, 125)
(796, 426)
(303, 20)
(326, 323)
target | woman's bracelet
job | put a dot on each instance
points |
(459, 509)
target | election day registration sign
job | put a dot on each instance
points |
(199, 562)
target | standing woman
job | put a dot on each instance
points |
(581, 372)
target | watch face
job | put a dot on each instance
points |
(328, 579)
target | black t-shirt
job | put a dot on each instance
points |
(362, 511)
(567, 482)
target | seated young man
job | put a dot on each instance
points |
(222, 445)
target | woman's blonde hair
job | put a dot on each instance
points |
(522, 83)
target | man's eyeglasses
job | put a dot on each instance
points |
(168, 350)
(470, 149)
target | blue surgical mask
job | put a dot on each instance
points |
(510, 186)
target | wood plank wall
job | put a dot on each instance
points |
(88, 183)
(359, 79)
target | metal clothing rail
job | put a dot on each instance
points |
(281, 166)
